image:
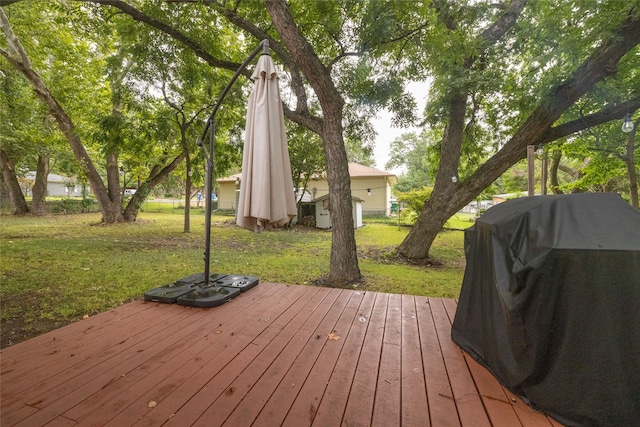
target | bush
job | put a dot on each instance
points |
(72, 206)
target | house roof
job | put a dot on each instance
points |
(355, 171)
(52, 177)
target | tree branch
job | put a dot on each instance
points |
(200, 52)
(601, 63)
(603, 116)
(301, 115)
(506, 21)
(303, 54)
(297, 82)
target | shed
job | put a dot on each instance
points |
(323, 216)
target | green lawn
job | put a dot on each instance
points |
(60, 268)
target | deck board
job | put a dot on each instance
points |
(277, 355)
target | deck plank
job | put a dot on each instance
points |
(363, 389)
(334, 400)
(239, 376)
(78, 350)
(233, 357)
(60, 399)
(470, 408)
(296, 405)
(44, 342)
(219, 347)
(415, 407)
(274, 370)
(216, 333)
(442, 408)
(386, 407)
(278, 354)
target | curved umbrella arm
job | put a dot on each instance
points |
(264, 47)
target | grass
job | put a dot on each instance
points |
(57, 269)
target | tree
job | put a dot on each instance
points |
(598, 159)
(18, 202)
(18, 57)
(344, 261)
(124, 127)
(310, 39)
(481, 75)
(412, 151)
(16, 120)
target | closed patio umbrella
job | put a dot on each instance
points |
(266, 189)
(266, 159)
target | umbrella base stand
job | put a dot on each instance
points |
(208, 297)
(190, 290)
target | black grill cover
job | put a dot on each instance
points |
(550, 304)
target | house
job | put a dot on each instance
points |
(370, 185)
(57, 185)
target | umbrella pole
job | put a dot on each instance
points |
(207, 204)
(264, 47)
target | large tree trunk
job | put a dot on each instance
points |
(39, 189)
(344, 261)
(20, 60)
(18, 202)
(446, 199)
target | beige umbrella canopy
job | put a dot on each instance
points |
(266, 191)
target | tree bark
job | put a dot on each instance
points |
(156, 176)
(629, 160)
(447, 193)
(553, 174)
(344, 261)
(18, 202)
(446, 200)
(39, 189)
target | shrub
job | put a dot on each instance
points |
(72, 206)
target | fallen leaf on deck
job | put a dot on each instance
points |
(333, 336)
(152, 404)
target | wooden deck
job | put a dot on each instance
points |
(277, 355)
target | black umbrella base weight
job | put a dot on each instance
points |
(191, 290)
(208, 297)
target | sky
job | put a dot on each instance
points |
(387, 133)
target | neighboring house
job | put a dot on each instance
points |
(371, 185)
(57, 185)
